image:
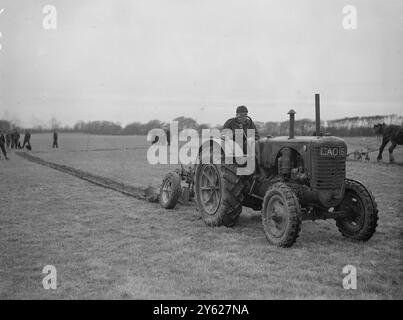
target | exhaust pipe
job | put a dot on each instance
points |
(292, 120)
(317, 114)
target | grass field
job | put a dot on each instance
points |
(107, 245)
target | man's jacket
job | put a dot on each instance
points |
(234, 123)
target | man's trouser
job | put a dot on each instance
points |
(55, 144)
(3, 149)
(26, 142)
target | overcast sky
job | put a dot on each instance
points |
(132, 60)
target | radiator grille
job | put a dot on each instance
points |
(329, 172)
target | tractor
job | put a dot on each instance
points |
(295, 179)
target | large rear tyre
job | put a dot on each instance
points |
(219, 194)
(281, 215)
(170, 190)
(362, 211)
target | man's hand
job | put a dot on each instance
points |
(251, 140)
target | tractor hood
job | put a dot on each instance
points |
(302, 139)
(270, 147)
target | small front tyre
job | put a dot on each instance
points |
(170, 190)
(281, 215)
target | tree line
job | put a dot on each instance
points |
(345, 127)
(353, 126)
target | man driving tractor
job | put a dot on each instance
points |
(241, 121)
(244, 122)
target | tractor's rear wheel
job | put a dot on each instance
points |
(219, 193)
(362, 211)
(281, 215)
(170, 190)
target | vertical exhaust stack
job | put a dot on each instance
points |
(317, 114)
(292, 119)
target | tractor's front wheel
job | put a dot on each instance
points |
(362, 210)
(281, 215)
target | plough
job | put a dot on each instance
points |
(177, 186)
(359, 155)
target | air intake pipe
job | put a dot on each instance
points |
(317, 114)
(292, 120)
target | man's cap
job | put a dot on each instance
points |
(241, 109)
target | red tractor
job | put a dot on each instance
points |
(296, 179)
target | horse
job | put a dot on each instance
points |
(392, 133)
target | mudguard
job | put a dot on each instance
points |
(229, 149)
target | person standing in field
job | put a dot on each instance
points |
(12, 138)
(2, 144)
(168, 135)
(17, 143)
(55, 137)
(8, 139)
(27, 139)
